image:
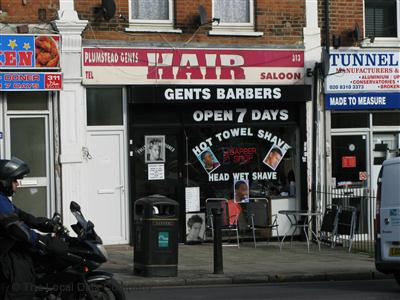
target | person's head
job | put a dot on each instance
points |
(155, 149)
(194, 224)
(274, 157)
(10, 172)
(241, 190)
(207, 158)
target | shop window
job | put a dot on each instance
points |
(350, 120)
(381, 18)
(386, 119)
(349, 159)
(27, 101)
(104, 106)
(218, 157)
(151, 15)
(235, 16)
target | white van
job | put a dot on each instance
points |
(387, 247)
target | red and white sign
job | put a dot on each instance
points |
(348, 162)
(53, 81)
(194, 66)
(363, 176)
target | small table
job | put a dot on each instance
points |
(294, 219)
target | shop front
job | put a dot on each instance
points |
(363, 102)
(202, 120)
(30, 79)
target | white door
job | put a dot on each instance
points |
(106, 186)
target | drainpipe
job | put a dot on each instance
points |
(327, 25)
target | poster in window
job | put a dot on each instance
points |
(195, 227)
(241, 191)
(349, 161)
(155, 148)
(274, 157)
(208, 160)
(192, 198)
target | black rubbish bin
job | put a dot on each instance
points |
(156, 236)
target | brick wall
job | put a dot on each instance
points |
(281, 22)
(344, 15)
(14, 11)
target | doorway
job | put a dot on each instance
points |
(106, 184)
(29, 124)
(350, 174)
(156, 163)
(105, 157)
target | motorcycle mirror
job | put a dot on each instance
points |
(57, 217)
(74, 207)
(90, 225)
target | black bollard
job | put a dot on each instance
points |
(218, 260)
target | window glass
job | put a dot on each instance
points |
(219, 157)
(350, 120)
(387, 118)
(27, 101)
(232, 11)
(32, 200)
(104, 106)
(380, 18)
(150, 9)
(28, 142)
(349, 158)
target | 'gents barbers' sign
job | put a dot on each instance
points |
(217, 93)
(198, 66)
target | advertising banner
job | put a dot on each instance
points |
(21, 81)
(363, 71)
(362, 101)
(29, 51)
(219, 93)
(195, 66)
(362, 80)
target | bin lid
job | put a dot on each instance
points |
(156, 199)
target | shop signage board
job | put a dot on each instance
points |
(38, 81)
(220, 93)
(199, 66)
(363, 80)
(29, 51)
(353, 101)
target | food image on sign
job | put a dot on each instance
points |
(46, 52)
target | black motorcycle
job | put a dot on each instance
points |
(74, 275)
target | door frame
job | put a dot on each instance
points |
(49, 140)
(124, 129)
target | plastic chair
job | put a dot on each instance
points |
(226, 225)
(259, 219)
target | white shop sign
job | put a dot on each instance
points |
(363, 71)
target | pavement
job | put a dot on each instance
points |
(244, 265)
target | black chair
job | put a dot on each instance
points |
(226, 225)
(329, 226)
(259, 217)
